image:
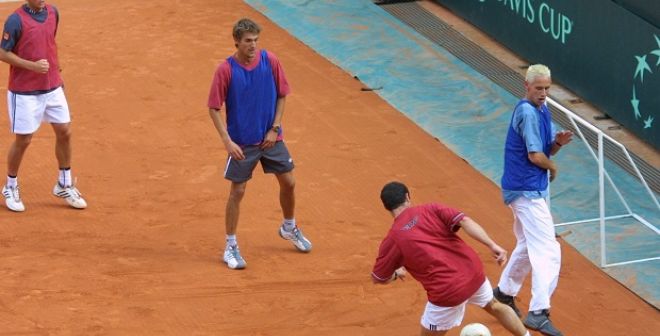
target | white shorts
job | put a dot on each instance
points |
(27, 112)
(437, 318)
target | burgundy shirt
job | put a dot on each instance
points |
(37, 42)
(423, 239)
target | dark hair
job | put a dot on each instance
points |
(393, 195)
(245, 25)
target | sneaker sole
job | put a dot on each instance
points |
(239, 267)
(70, 205)
(77, 207)
(16, 210)
(535, 329)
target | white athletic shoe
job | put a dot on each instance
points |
(233, 257)
(13, 199)
(71, 195)
(296, 237)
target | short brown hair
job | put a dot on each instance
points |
(245, 25)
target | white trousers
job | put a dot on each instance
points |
(537, 250)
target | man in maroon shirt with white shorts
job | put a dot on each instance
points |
(35, 94)
(423, 242)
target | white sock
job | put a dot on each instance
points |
(231, 240)
(64, 178)
(289, 224)
(12, 181)
(527, 333)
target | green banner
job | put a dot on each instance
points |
(598, 49)
(648, 10)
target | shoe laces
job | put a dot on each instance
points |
(297, 234)
(13, 193)
(234, 252)
(17, 194)
(72, 191)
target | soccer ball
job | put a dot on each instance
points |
(475, 329)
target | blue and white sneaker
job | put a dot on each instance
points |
(296, 237)
(71, 195)
(233, 257)
(13, 199)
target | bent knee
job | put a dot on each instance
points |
(62, 131)
(287, 181)
(492, 305)
(63, 135)
(23, 140)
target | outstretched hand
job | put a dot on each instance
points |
(499, 254)
(401, 273)
(563, 137)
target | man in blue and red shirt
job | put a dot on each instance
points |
(35, 95)
(252, 85)
(423, 241)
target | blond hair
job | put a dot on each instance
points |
(535, 71)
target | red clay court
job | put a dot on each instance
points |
(144, 258)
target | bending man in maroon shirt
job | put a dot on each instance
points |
(423, 242)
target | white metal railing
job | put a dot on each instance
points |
(602, 175)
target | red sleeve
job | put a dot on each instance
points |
(389, 259)
(449, 216)
(219, 86)
(278, 73)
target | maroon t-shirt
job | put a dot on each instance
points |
(423, 239)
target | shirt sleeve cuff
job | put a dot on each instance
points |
(456, 222)
(379, 279)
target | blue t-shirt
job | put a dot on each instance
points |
(525, 122)
(13, 29)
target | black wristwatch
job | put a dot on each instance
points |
(276, 128)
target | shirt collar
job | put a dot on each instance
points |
(32, 11)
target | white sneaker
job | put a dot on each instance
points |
(71, 195)
(13, 199)
(296, 237)
(233, 258)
